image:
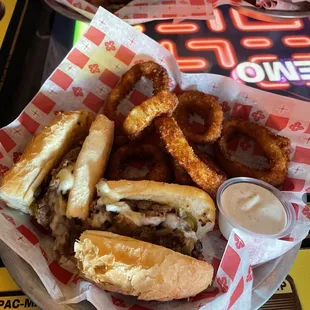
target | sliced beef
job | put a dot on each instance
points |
(161, 208)
(64, 242)
(51, 214)
(144, 233)
(168, 238)
(68, 160)
(44, 214)
(123, 226)
(148, 207)
(45, 205)
(133, 204)
(197, 251)
(151, 213)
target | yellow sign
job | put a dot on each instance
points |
(10, 295)
(284, 288)
(6, 282)
(8, 7)
(17, 302)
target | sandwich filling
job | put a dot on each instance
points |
(143, 220)
(51, 206)
(150, 222)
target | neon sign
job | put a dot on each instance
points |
(275, 71)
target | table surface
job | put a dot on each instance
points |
(217, 46)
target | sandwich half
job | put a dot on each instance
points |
(65, 204)
(90, 166)
(184, 210)
(22, 184)
(131, 267)
(144, 239)
(67, 180)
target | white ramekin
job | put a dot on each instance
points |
(226, 223)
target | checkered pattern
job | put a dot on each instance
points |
(83, 80)
(141, 11)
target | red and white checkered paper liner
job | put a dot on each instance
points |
(83, 79)
(141, 11)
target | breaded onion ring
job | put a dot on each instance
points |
(275, 149)
(157, 163)
(140, 117)
(149, 69)
(207, 107)
(204, 174)
(181, 175)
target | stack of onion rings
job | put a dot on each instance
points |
(158, 167)
(149, 69)
(140, 117)
(202, 173)
(275, 148)
(207, 107)
(170, 115)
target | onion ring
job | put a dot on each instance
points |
(207, 107)
(202, 173)
(163, 103)
(181, 175)
(159, 170)
(274, 147)
(149, 69)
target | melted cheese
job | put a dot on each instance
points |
(174, 222)
(138, 218)
(66, 180)
(105, 193)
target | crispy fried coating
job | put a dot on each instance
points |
(140, 117)
(149, 69)
(207, 107)
(204, 174)
(275, 149)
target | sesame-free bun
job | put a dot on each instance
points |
(41, 155)
(187, 198)
(90, 166)
(131, 267)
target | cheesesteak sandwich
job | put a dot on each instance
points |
(131, 267)
(64, 162)
(150, 243)
(171, 215)
(24, 182)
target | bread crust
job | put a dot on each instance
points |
(41, 155)
(90, 166)
(131, 267)
(191, 199)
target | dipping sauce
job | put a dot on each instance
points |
(254, 207)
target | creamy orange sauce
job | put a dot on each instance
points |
(254, 208)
